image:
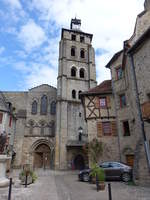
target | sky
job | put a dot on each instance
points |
(30, 32)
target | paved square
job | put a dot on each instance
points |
(53, 185)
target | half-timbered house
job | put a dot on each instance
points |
(99, 110)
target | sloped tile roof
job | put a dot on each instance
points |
(102, 88)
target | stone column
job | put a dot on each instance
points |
(3, 180)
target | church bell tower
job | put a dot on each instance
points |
(76, 74)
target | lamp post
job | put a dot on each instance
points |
(80, 132)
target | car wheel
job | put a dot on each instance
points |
(86, 177)
(126, 177)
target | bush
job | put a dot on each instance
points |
(31, 176)
(98, 172)
(34, 176)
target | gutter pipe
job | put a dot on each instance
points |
(146, 145)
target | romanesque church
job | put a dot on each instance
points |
(50, 126)
(54, 124)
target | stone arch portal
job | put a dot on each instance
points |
(43, 154)
(79, 162)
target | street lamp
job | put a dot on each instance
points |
(80, 132)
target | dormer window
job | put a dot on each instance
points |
(72, 51)
(73, 37)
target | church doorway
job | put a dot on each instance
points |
(79, 162)
(42, 157)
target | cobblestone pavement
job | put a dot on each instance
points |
(54, 185)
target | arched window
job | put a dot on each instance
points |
(53, 108)
(82, 73)
(79, 97)
(72, 51)
(34, 108)
(73, 71)
(82, 54)
(44, 105)
(73, 94)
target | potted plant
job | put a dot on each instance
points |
(27, 173)
(99, 175)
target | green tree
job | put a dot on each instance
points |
(94, 149)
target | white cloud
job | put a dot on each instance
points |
(44, 75)
(36, 74)
(2, 49)
(14, 3)
(110, 22)
(31, 35)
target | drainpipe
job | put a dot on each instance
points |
(119, 148)
(146, 146)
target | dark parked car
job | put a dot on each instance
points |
(113, 171)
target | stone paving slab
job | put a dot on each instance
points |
(71, 189)
(62, 185)
(43, 189)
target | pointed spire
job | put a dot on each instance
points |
(147, 4)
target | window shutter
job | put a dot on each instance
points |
(97, 103)
(108, 102)
(99, 129)
(10, 121)
(114, 128)
(1, 118)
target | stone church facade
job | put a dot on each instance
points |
(35, 126)
(50, 126)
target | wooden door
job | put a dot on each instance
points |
(46, 160)
(38, 160)
(130, 160)
(42, 156)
